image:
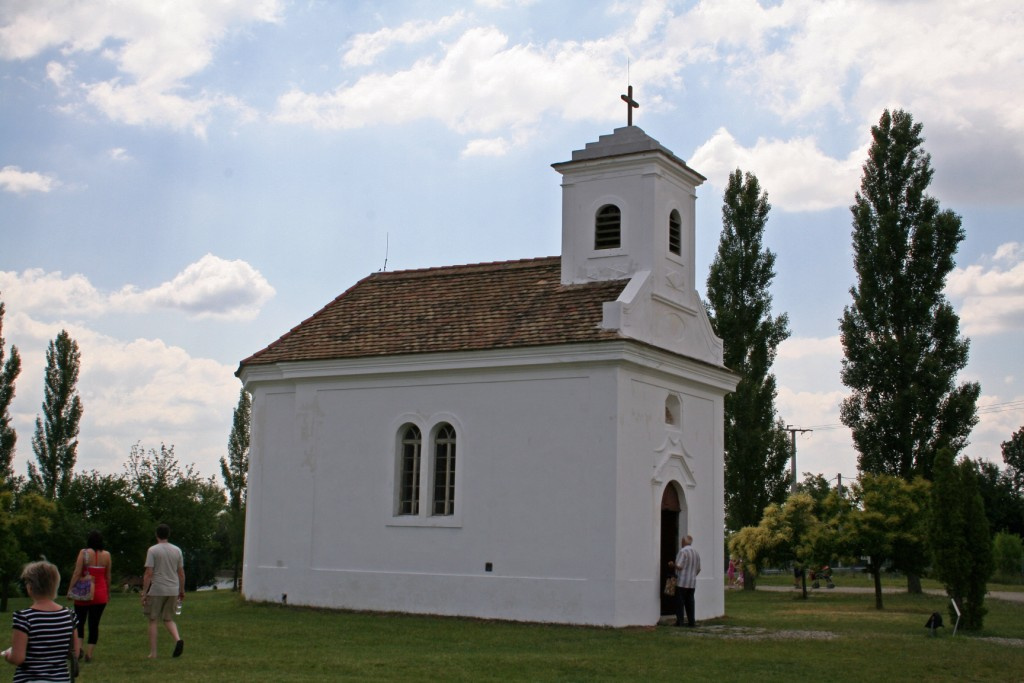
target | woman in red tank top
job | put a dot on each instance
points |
(95, 561)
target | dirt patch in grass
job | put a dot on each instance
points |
(754, 633)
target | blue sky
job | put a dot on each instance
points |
(180, 187)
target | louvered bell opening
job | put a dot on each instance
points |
(608, 229)
(675, 230)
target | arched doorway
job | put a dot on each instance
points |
(673, 526)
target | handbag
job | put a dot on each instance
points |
(83, 589)
(670, 585)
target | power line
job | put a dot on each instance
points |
(1005, 406)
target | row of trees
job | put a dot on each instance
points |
(890, 523)
(908, 416)
(50, 511)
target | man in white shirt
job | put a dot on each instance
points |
(163, 585)
(687, 566)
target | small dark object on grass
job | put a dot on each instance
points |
(934, 622)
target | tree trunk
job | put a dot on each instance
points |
(914, 583)
(876, 574)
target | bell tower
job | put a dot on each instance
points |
(628, 205)
(628, 212)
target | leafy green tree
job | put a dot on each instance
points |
(960, 540)
(9, 372)
(901, 336)
(1008, 556)
(235, 471)
(1004, 503)
(818, 488)
(739, 306)
(105, 502)
(1013, 456)
(789, 532)
(887, 515)
(164, 492)
(24, 515)
(55, 442)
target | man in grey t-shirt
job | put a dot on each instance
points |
(163, 585)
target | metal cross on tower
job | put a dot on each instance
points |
(631, 104)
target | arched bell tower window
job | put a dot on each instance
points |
(608, 228)
(675, 230)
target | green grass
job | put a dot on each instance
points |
(230, 640)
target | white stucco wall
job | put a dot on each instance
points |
(558, 485)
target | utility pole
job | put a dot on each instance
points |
(792, 462)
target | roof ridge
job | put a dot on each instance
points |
(485, 265)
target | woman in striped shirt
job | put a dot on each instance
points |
(44, 632)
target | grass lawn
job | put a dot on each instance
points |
(765, 636)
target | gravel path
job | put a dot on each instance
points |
(1011, 596)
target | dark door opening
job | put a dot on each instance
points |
(669, 543)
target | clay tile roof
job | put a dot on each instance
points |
(457, 308)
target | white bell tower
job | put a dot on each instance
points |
(628, 211)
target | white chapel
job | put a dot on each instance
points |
(522, 440)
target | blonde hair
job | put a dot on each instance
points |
(41, 578)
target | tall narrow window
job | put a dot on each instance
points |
(675, 233)
(608, 228)
(672, 411)
(409, 476)
(444, 470)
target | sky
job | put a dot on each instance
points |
(181, 183)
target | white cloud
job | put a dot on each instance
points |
(948, 63)
(141, 390)
(366, 47)
(486, 147)
(802, 348)
(155, 52)
(796, 174)
(210, 288)
(13, 179)
(479, 85)
(992, 296)
(119, 154)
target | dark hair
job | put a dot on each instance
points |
(95, 540)
(163, 532)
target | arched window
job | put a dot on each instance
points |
(444, 470)
(608, 228)
(409, 471)
(675, 233)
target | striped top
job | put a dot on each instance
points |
(687, 567)
(49, 637)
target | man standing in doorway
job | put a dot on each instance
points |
(163, 585)
(687, 566)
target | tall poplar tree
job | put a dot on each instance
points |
(9, 371)
(235, 471)
(739, 306)
(55, 441)
(900, 336)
